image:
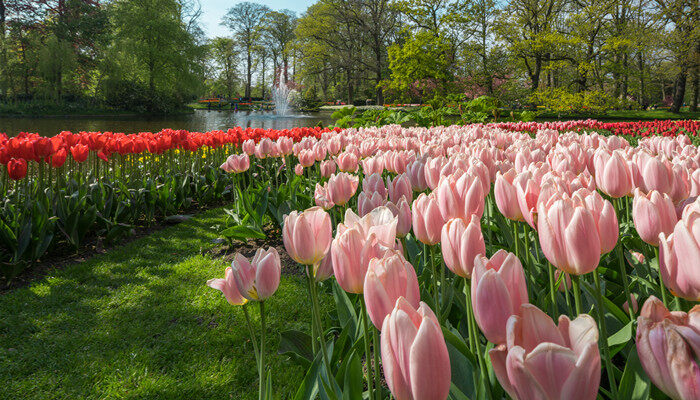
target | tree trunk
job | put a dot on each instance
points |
(625, 76)
(249, 73)
(679, 92)
(642, 90)
(696, 90)
(264, 61)
(3, 52)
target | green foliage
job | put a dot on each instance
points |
(564, 102)
(136, 96)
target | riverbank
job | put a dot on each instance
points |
(73, 110)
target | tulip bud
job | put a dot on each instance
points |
(387, 279)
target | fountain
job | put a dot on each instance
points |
(280, 96)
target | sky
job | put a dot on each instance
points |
(214, 10)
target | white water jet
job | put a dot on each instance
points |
(280, 96)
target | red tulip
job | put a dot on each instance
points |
(17, 169)
(79, 152)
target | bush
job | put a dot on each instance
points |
(135, 96)
(562, 102)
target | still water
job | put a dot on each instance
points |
(199, 121)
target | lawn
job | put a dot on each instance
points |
(139, 322)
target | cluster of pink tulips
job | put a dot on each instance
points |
(479, 262)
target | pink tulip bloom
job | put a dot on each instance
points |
(373, 165)
(298, 169)
(380, 222)
(374, 183)
(432, 170)
(612, 173)
(342, 187)
(679, 254)
(347, 162)
(335, 144)
(461, 244)
(368, 202)
(681, 184)
(635, 305)
(236, 163)
(351, 252)
(307, 235)
(416, 175)
(321, 197)
(507, 196)
(604, 215)
(327, 168)
(569, 236)
(498, 289)
(427, 219)
(414, 354)
(387, 279)
(307, 158)
(286, 145)
(399, 187)
(259, 278)
(249, 147)
(667, 345)
(653, 213)
(657, 174)
(402, 212)
(460, 197)
(228, 287)
(324, 269)
(528, 193)
(319, 150)
(544, 361)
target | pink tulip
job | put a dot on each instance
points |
(307, 158)
(347, 162)
(327, 168)
(236, 163)
(507, 196)
(248, 147)
(543, 361)
(416, 174)
(635, 305)
(373, 165)
(667, 345)
(461, 244)
(569, 236)
(612, 173)
(298, 169)
(399, 187)
(653, 214)
(286, 145)
(657, 175)
(374, 183)
(335, 144)
(681, 184)
(387, 279)
(498, 289)
(604, 215)
(351, 252)
(324, 269)
(402, 212)
(307, 236)
(367, 202)
(679, 254)
(319, 151)
(432, 170)
(380, 222)
(427, 219)
(460, 196)
(259, 278)
(228, 287)
(342, 187)
(528, 193)
(321, 197)
(414, 354)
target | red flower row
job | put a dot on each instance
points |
(17, 151)
(639, 128)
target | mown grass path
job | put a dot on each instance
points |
(138, 322)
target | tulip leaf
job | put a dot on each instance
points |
(242, 233)
(456, 393)
(353, 384)
(619, 339)
(297, 345)
(462, 366)
(634, 384)
(346, 312)
(309, 386)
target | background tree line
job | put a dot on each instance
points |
(152, 54)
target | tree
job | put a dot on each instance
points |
(245, 19)
(278, 30)
(223, 51)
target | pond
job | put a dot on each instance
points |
(199, 121)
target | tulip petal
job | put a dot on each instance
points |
(429, 363)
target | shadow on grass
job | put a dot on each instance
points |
(139, 322)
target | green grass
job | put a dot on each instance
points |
(138, 322)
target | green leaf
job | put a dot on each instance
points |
(242, 233)
(297, 345)
(622, 336)
(345, 309)
(353, 383)
(634, 384)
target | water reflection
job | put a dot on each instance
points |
(200, 120)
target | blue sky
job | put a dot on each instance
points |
(213, 10)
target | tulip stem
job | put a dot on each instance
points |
(577, 293)
(515, 238)
(662, 289)
(623, 271)
(470, 328)
(604, 334)
(261, 387)
(365, 329)
(433, 272)
(552, 293)
(375, 351)
(316, 315)
(252, 333)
